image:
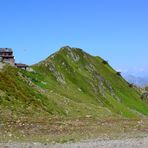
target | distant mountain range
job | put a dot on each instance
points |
(139, 81)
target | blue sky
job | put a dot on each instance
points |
(116, 30)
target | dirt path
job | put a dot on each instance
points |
(122, 143)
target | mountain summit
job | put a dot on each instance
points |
(88, 79)
(69, 83)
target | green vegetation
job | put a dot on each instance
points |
(69, 83)
(70, 86)
(86, 79)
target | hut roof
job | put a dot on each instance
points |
(21, 65)
(6, 50)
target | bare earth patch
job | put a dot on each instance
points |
(66, 133)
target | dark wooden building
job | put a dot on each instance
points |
(22, 66)
(6, 56)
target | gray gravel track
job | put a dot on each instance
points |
(122, 143)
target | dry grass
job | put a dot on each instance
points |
(62, 130)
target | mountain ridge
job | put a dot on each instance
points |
(68, 83)
(72, 58)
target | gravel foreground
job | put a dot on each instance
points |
(122, 143)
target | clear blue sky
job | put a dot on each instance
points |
(116, 30)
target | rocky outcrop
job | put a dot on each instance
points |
(59, 76)
(144, 97)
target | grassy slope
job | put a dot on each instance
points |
(21, 99)
(124, 100)
(69, 84)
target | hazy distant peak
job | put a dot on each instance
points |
(139, 81)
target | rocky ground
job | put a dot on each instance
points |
(62, 133)
(122, 143)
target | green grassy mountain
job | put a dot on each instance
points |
(69, 83)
